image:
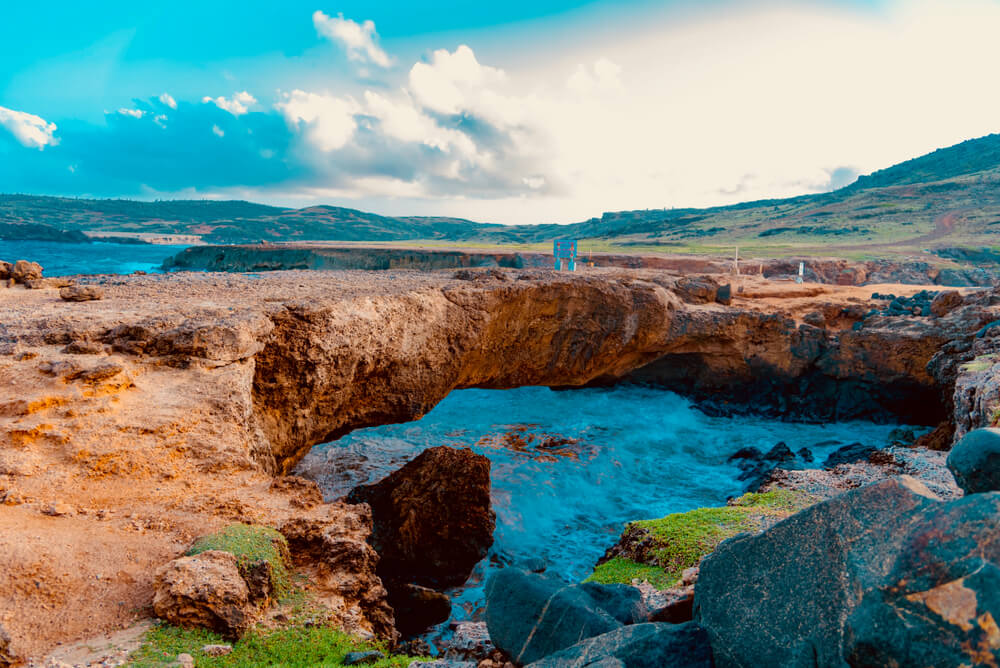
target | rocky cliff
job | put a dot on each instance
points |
(132, 424)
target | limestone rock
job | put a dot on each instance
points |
(217, 650)
(638, 646)
(185, 660)
(432, 518)
(975, 461)
(302, 493)
(81, 293)
(530, 616)
(204, 591)
(946, 302)
(334, 553)
(7, 656)
(5, 269)
(26, 271)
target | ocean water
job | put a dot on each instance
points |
(571, 468)
(65, 259)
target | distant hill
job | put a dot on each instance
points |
(945, 199)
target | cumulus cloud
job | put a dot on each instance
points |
(237, 105)
(602, 75)
(134, 113)
(452, 82)
(359, 40)
(167, 99)
(328, 121)
(29, 130)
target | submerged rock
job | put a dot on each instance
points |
(432, 518)
(639, 646)
(855, 579)
(975, 461)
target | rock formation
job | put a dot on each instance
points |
(205, 591)
(163, 410)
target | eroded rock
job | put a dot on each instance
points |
(432, 518)
(23, 271)
(81, 293)
(204, 591)
(7, 656)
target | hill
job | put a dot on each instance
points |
(945, 199)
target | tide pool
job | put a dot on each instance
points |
(65, 259)
(571, 468)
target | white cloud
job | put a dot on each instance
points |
(161, 120)
(167, 99)
(327, 121)
(237, 105)
(603, 75)
(30, 130)
(134, 113)
(217, 131)
(403, 121)
(358, 39)
(452, 82)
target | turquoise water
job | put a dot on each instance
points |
(634, 452)
(64, 259)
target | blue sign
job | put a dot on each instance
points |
(565, 249)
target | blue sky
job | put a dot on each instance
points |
(510, 112)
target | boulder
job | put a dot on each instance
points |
(432, 518)
(940, 602)
(301, 493)
(81, 293)
(417, 608)
(469, 640)
(975, 461)
(26, 271)
(853, 579)
(204, 591)
(945, 303)
(530, 615)
(5, 270)
(638, 646)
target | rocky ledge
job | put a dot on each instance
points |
(135, 423)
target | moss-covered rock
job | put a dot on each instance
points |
(261, 555)
(658, 551)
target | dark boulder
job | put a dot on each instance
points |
(418, 608)
(621, 601)
(832, 583)
(639, 646)
(724, 295)
(432, 518)
(975, 461)
(939, 604)
(780, 453)
(849, 454)
(530, 616)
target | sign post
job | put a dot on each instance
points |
(564, 249)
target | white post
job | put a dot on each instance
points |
(802, 269)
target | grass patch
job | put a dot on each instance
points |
(665, 547)
(292, 647)
(623, 571)
(979, 364)
(251, 545)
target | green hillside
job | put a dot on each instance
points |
(945, 199)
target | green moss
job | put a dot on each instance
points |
(979, 364)
(295, 646)
(679, 541)
(251, 545)
(623, 571)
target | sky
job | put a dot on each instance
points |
(515, 112)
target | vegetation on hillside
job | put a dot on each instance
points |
(948, 198)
